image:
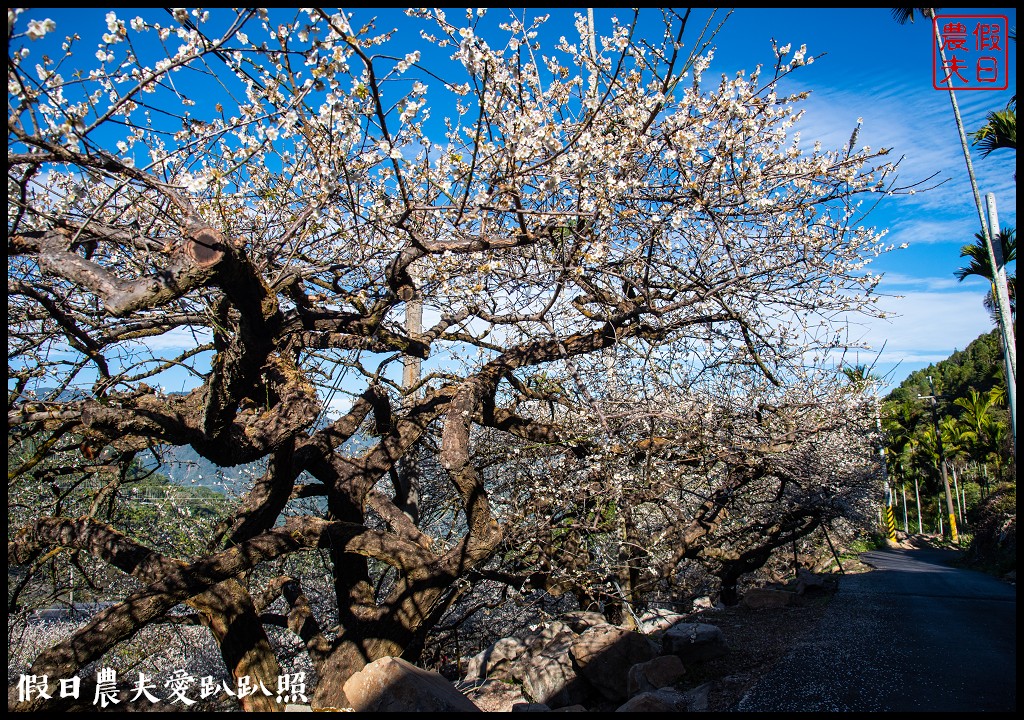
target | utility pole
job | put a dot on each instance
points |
(942, 459)
(413, 328)
(406, 477)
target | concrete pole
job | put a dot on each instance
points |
(956, 491)
(906, 524)
(406, 477)
(593, 50)
(413, 327)
(917, 494)
(1002, 298)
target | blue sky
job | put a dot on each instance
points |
(871, 68)
(881, 71)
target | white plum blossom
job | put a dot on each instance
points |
(196, 183)
(38, 28)
(409, 60)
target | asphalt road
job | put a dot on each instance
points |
(913, 635)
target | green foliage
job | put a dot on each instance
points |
(144, 505)
(994, 545)
(905, 15)
(972, 418)
(999, 131)
(155, 510)
(859, 377)
(980, 265)
(864, 543)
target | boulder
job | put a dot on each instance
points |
(581, 620)
(530, 707)
(693, 642)
(552, 679)
(761, 598)
(808, 582)
(664, 700)
(604, 654)
(698, 699)
(659, 672)
(497, 661)
(393, 685)
(547, 670)
(657, 620)
(548, 634)
(706, 603)
(496, 696)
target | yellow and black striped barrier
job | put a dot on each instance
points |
(890, 522)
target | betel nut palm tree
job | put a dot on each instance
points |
(980, 266)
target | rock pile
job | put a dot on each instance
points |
(575, 663)
(579, 662)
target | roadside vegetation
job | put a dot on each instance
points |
(977, 446)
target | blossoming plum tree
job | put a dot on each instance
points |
(256, 200)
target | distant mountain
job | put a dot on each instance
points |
(184, 466)
(50, 394)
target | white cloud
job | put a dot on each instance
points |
(915, 231)
(339, 405)
(899, 282)
(180, 339)
(926, 326)
(920, 129)
(921, 327)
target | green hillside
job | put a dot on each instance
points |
(978, 366)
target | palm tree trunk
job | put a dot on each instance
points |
(917, 495)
